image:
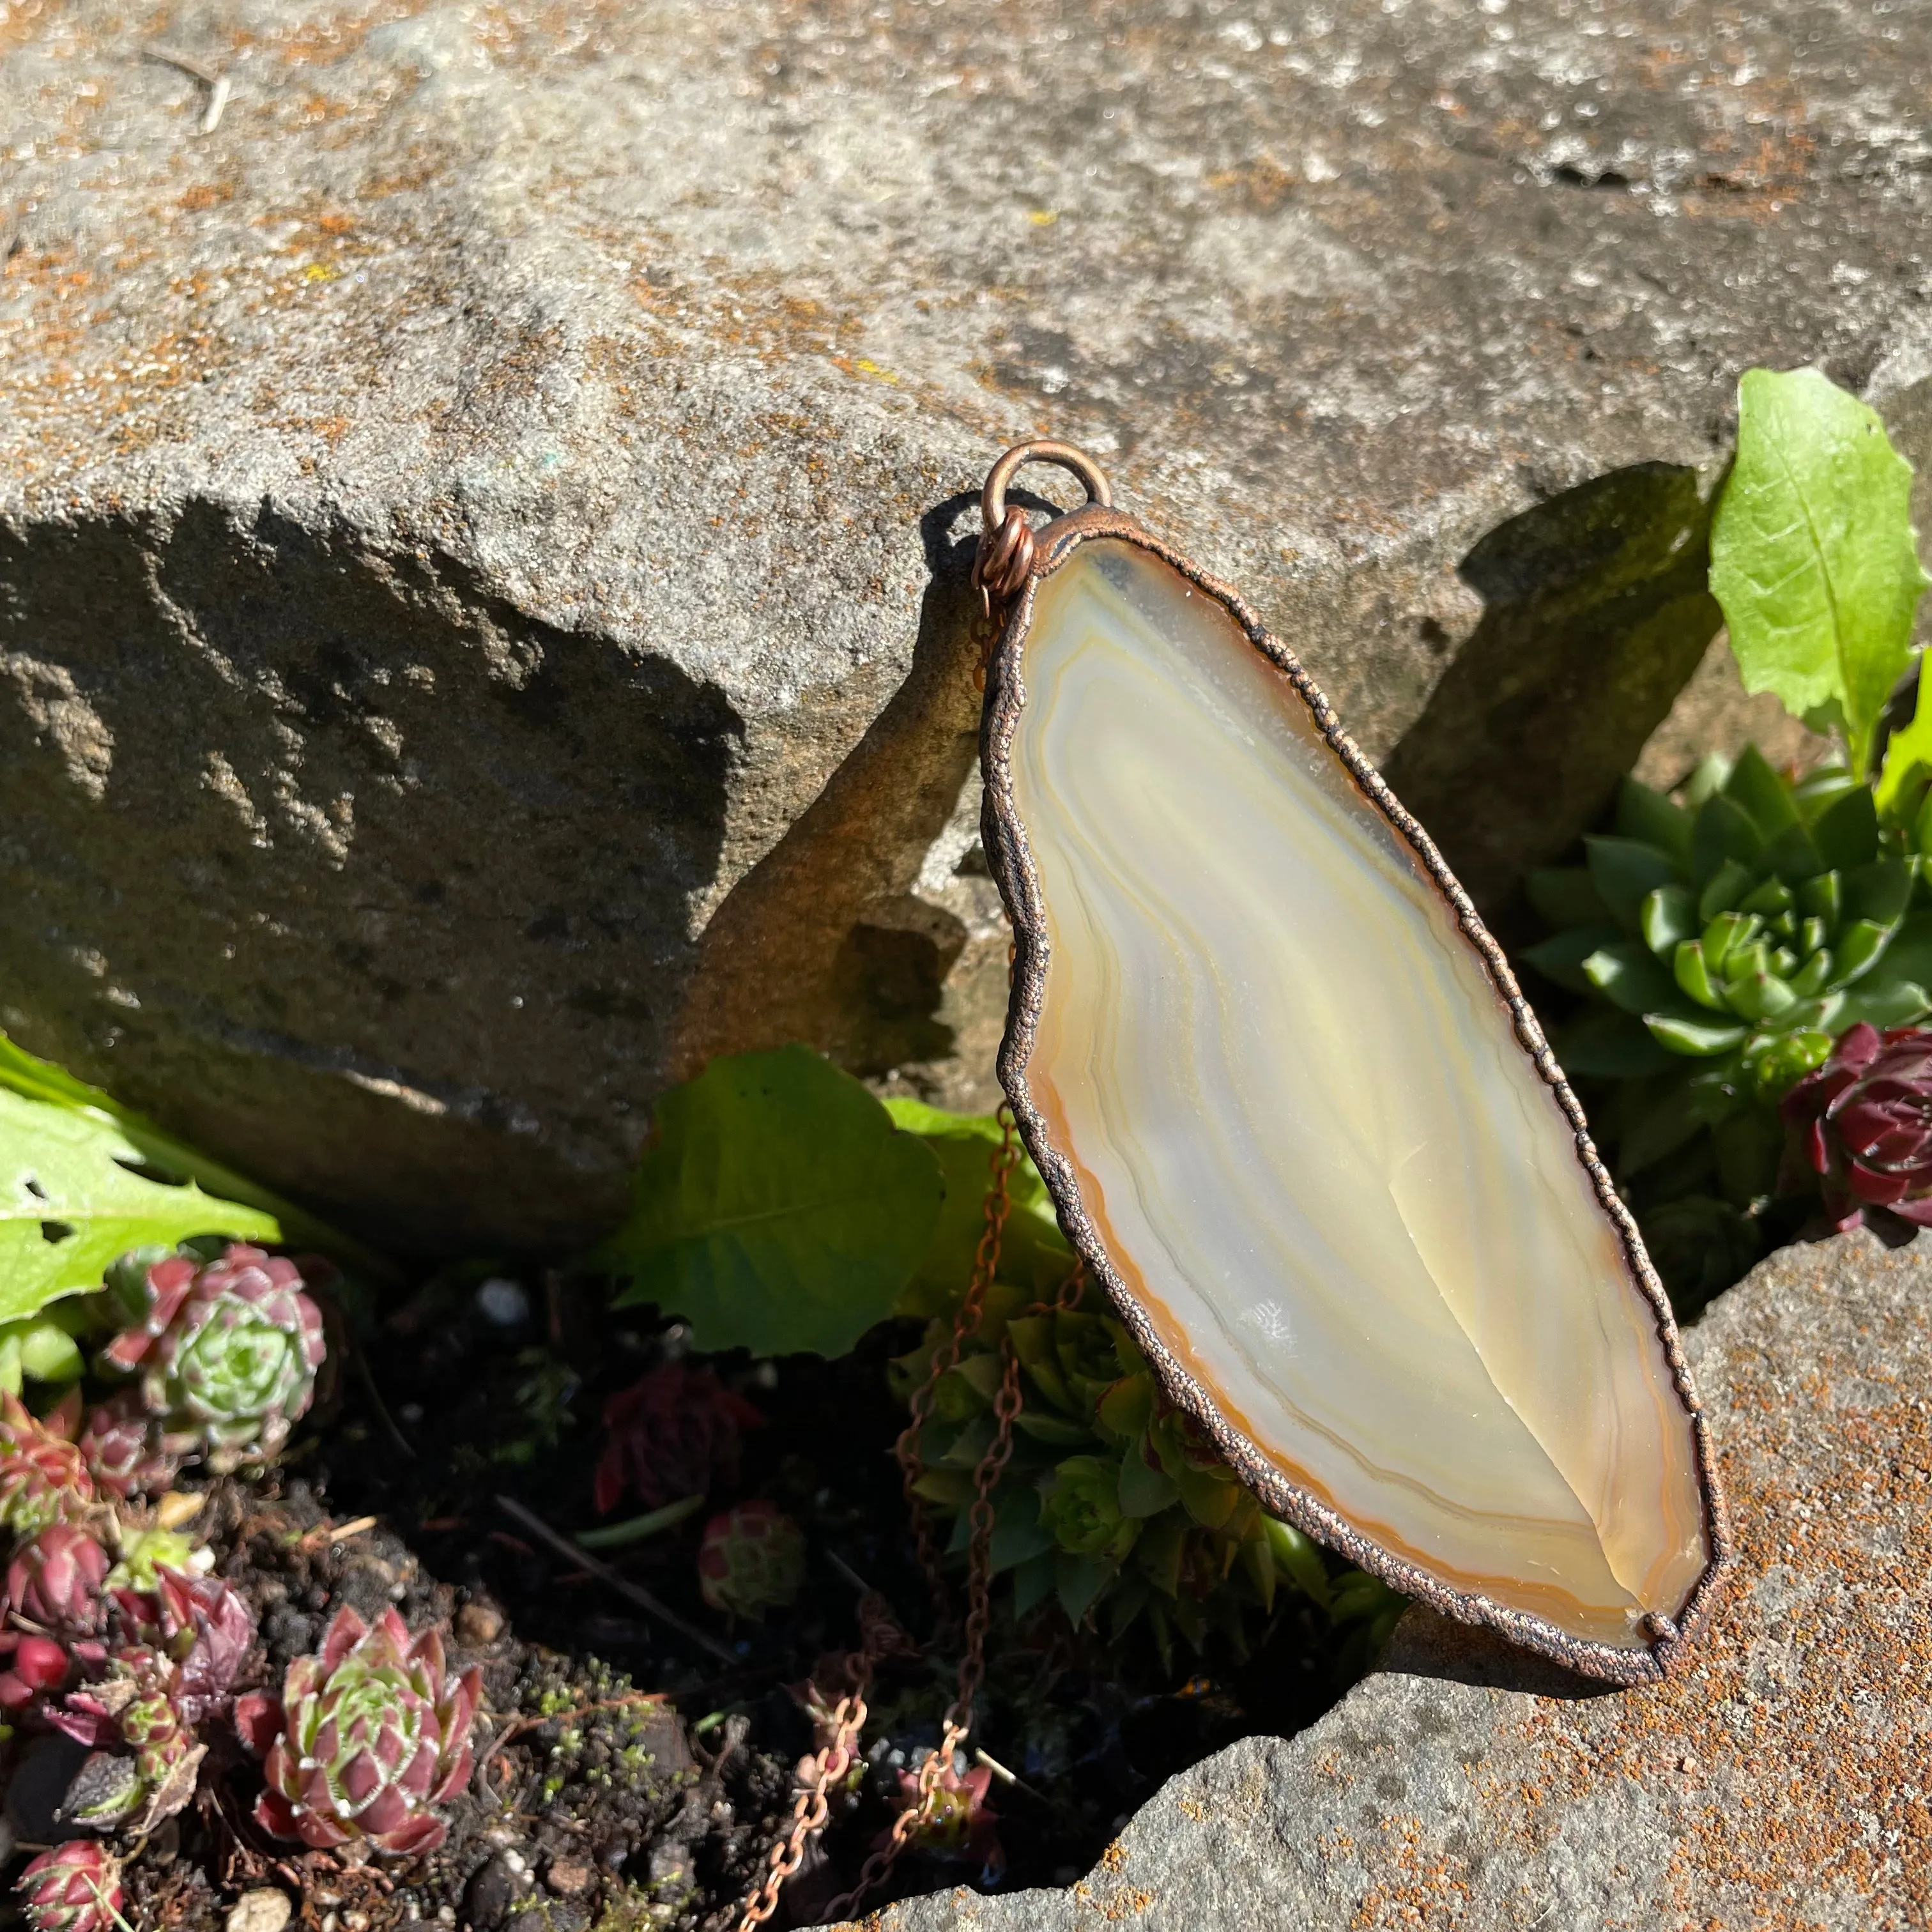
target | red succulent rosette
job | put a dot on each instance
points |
(1864, 1122)
(55, 1580)
(368, 1734)
(670, 1435)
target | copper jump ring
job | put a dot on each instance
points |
(1004, 559)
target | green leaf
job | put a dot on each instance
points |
(1609, 1046)
(1725, 887)
(1812, 553)
(1669, 917)
(1297, 1558)
(1693, 974)
(1033, 1251)
(1863, 944)
(72, 1200)
(779, 1209)
(637, 1528)
(1824, 898)
(1726, 934)
(1625, 872)
(1081, 1581)
(1791, 857)
(1699, 1039)
(1033, 1584)
(1630, 976)
(1846, 834)
(1908, 763)
(1651, 818)
(1146, 1489)
(1885, 1002)
(1754, 784)
(1909, 955)
(1724, 832)
(1879, 891)
(1817, 791)
(1566, 895)
(1759, 996)
(1560, 959)
(163, 1156)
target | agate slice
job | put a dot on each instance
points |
(1297, 1117)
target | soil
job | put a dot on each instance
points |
(627, 1777)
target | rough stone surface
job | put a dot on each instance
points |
(1782, 1779)
(481, 528)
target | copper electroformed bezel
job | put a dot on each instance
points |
(1013, 868)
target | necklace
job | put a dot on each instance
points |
(1298, 1120)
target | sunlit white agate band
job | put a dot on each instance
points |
(1305, 1135)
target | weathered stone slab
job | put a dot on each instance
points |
(481, 527)
(1785, 1778)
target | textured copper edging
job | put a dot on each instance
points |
(1013, 868)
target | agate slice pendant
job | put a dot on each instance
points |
(1297, 1118)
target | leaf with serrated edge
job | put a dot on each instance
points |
(34, 1078)
(779, 1211)
(61, 1167)
(1812, 553)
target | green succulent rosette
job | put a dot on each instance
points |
(1113, 1510)
(1722, 943)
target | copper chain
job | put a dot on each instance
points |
(881, 1637)
(958, 1720)
(965, 1325)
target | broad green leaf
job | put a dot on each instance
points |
(778, 1209)
(1908, 762)
(34, 1078)
(1033, 1251)
(1726, 886)
(72, 1199)
(1812, 553)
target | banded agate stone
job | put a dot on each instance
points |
(1305, 1136)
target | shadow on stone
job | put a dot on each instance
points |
(1427, 1645)
(1596, 614)
(347, 869)
(824, 940)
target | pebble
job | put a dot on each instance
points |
(265, 1910)
(503, 1302)
(569, 1876)
(478, 1623)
